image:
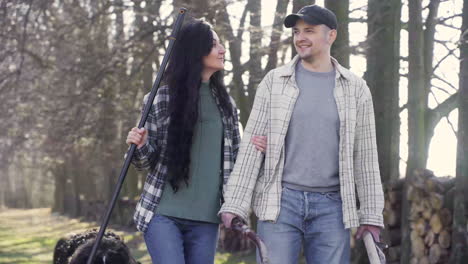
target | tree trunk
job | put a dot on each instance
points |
(275, 39)
(255, 60)
(130, 188)
(340, 48)
(226, 32)
(428, 52)
(106, 146)
(459, 236)
(416, 114)
(382, 76)
(416, 90)
(59, 192)
(75, 172)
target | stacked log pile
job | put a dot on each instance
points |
(430, 217)
(431, 207)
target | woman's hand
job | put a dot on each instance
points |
(137, 136)
(260, 143)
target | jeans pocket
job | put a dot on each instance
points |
(334, 196)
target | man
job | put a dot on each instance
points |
(319, 121)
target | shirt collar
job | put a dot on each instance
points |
(288, 69)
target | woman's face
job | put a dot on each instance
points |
(215, 60)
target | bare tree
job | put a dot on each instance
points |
(340, 49)
(417, 98)
(277, 31)
(382, 76)
(459, 252)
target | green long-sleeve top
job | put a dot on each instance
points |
(200, 201)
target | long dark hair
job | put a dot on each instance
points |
(183, 77)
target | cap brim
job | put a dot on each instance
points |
(290, 20)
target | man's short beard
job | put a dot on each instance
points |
(308, 58)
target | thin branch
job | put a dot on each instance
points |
(442, 110)
(275, 38)
(443, 19)
(240, 31)
(449, 26)
(404, 26)
(358, 20)
(451, 51)
(442, 42)
(401, 159)
(23, 39)
(435, 98)
(361, 8)
(441, 89)
(444, 81)
(37, 58)
(452, 126)
(403, 107)
(357, 50)
(429, 36)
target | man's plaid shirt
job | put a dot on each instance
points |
(155, 147)
(256, 178)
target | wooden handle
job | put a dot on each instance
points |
(370, 248)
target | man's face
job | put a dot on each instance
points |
(312, 40)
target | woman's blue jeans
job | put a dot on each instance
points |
(173, 240)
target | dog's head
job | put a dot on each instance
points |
(76, 249)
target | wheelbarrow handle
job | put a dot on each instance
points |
(239, 225)
(371, 248)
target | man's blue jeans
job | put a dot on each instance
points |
(173, 240)
(310, 220)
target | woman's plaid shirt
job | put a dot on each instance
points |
(155, 147)
(256, 179)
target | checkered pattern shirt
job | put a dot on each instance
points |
(256, 179)
(156, 145)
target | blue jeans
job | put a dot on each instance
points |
(310, 220)
(173, 240)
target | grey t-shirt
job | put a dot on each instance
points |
(312, 140)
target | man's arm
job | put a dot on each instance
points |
(366, 164)
(239, 189)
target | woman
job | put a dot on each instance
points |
(189, 145)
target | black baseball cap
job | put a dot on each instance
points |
(313, 15)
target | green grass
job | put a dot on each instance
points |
(29, 237)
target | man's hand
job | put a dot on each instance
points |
(374, 230)
(227, 219)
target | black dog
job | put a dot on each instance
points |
(76, 249)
